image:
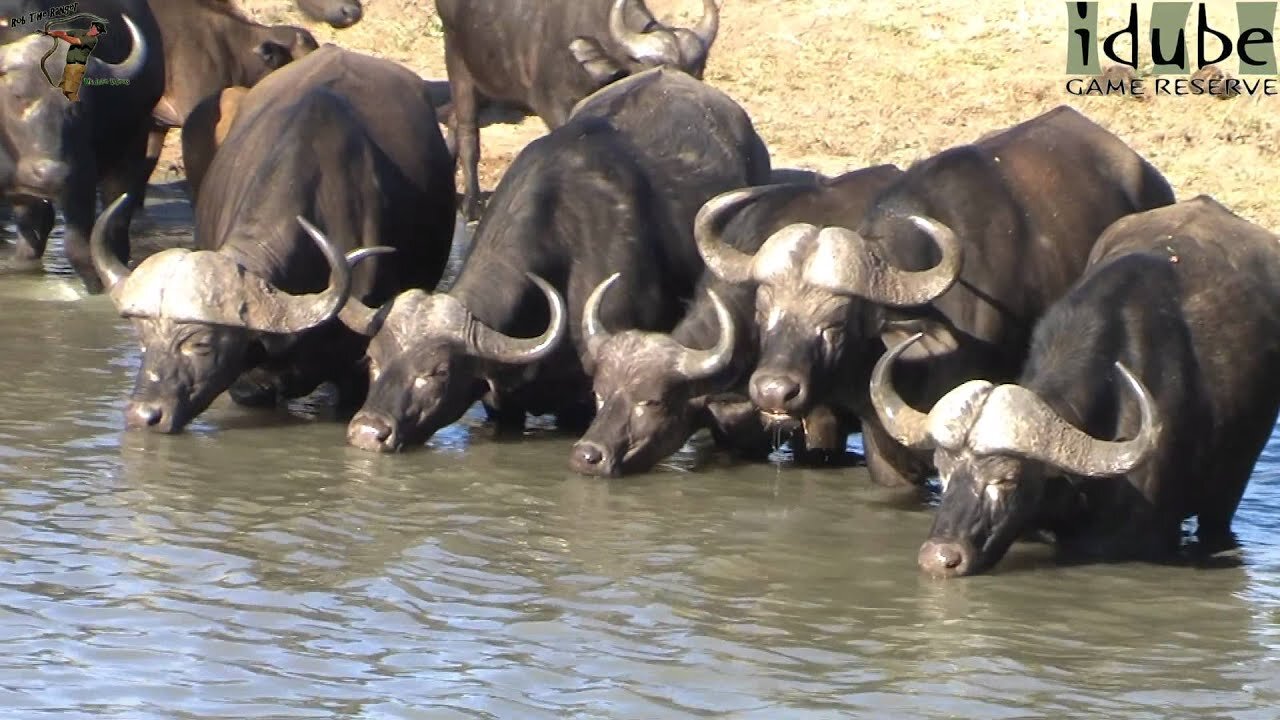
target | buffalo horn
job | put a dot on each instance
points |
(845, 263)
(1016, 421)
(109, 267)
(269, 310)
(696, 42)
(903, 422)
(727, 262)
(709, 24)
(593, 330)
(133, 62)
(357, 316)
(701, 364)
(655, 46)
(490, 344)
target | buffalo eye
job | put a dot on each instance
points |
(197, 345)
(832, 334)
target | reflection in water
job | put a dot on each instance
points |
(258, 567)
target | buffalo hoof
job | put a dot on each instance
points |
(16, 265)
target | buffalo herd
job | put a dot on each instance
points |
(1032, 318)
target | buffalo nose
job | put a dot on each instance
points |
(590, 458)
(143, 415)
(945, 559)
(351, 12)
(370, 432)
(777, 393)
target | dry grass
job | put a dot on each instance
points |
(838, 84)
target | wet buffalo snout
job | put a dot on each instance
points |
(946, 558)
(42, 175)
(591, 458)
(145, 415)
(368, 431)
(778, 393)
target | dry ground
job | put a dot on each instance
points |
(834, 85)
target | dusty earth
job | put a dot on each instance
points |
(834, 85)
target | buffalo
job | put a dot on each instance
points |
(655, 389)
(338, 14)
(346, 140)
(210, 45)
(61, 151)
(543, 56)
(1148, 394)
(615, 188)
(969, 247)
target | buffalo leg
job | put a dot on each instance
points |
(506, 420)
(129, 175)
(575, 419)
(464, 130)
(889, 463)
(79, 203)
(34, 220)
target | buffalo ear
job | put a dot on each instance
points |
(591, 55)
(938, 339)
(273, 54)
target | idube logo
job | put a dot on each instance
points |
(1167, 48)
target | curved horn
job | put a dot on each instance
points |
(653, 46)
(269, 310)
(109, 267)
(490, 344)
(702, 364)
(355, 314)
(1021, 423)
(846, 264)
(709, 24)
(728, 263)
(903, 422)
(695, 43)
(137, 57)
(594, 332)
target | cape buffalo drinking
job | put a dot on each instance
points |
(546, 55)
(1171, 339)
(63, 150)
(615, 188)
(347, 140)
(654, 390)
(969, 247)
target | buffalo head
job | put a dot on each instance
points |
(337, 13)
(994, 445)
(646, 43)
(201, 318)
(283, 45)
(818, 296)
(427, 363)
(34, 114)
(650, 390)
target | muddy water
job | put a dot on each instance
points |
(256, 567)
